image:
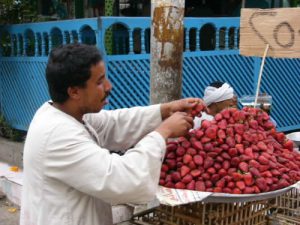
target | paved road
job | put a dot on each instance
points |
(6, 217)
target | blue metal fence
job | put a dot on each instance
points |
(211, 53)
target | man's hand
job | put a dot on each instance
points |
(176, 125)
(182, 105)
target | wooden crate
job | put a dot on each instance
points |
(286, 209)
(250, 213)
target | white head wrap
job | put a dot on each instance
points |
(212, 94)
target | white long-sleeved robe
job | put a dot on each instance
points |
(70, 177)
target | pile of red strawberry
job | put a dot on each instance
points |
(239, 152)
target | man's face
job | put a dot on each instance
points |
(217, 107)
(230, 103)
(96, 91)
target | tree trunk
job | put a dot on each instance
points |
(166, 50)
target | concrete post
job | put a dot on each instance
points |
(167, 33)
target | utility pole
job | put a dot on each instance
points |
(166, 50)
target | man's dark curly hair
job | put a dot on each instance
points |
(68, 66)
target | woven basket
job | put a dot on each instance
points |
(249, 213)
(286, 209)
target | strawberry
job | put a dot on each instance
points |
(179, 164)
(225, 113)
(254, 172)
(249, 152)
(162, 182)
(269, 181)
(206, 176)
(208, 162)
(180, 151)
(231, 120)
(192, 165)
(261, 184)
(256, 189)
(187, 179)
(224, 147)
(248, 179)
(238, 138)
(218, 117)
(217, 190)
(180, 185)
(245, 158)
(231, 171)
(221, 134)
(197, 145)
(239, 128)
(222, 124)
(289, 145)
(187, 158)
(208, 184)
(211, 132)
(176, 176)
(254, 163)
(262, 146)
(247, 137)
(171, 147)
(280, 137)
(219, 159)
(164, 168)
(170, 185)
(244, 167)
(171, 163)
(230, 131)
(171, 155)
(263, 160)
(205, 124)
(225, 155)
(205, 140)
(184, 170)
(198, 159)
(208, 147)
(235, 161)
(268, 125)
(200, 186)
(237, 176)
(263, 168)
(199, 134)
(253, 124)
(231, 184)
(226, 165)
(217, 166)
(211, 170)
(215, 178)
(248, 190)
(217, 150)
(191, 151)
(220, 183)
(186, 144)
(232, 152)
(212, 154)
(195, 173)
(240, 148)
(240, 185)
(191, 185)
(236, 191)
(222, 172)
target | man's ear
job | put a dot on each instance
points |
(73, 92)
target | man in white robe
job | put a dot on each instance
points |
(70, 175)
(217, 96)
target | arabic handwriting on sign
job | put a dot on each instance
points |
(276, 31)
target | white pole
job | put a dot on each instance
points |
(243, 3)
(260, 74)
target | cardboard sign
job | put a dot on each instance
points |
(280, 28)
